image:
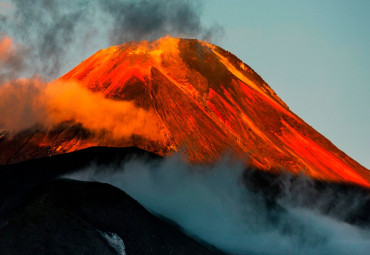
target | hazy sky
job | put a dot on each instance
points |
(314, 54)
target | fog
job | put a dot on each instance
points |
(212, 204)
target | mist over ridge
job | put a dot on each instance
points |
(216, 205)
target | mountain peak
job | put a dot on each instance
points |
(204, 99)
(136, 59)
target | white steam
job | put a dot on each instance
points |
(212, 204)
(25, 103)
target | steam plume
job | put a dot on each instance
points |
(28, 102)
(213, 204)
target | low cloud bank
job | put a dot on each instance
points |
(214, 205)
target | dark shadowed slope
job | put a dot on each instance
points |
(16, 180)
(41, 214)
(69, 217)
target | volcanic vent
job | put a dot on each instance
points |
(195, 96)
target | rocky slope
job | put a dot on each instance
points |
(198, 97)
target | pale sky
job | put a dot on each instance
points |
(314, 54)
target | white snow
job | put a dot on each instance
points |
(115, 241)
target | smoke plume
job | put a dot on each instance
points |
(46, 29)
(58, 34)
(12, 59)
(214, 205)
(149, 20)
(25, 103)
(43, 39)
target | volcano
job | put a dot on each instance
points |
(198, 98)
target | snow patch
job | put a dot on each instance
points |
(115, 241)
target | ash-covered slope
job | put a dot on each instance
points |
(199, 97)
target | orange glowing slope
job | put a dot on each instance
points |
(203, 99)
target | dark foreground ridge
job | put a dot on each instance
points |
(16, 180)
(68, 217)
(41, 213)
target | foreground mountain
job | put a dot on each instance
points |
(196, 96)
(70, 217)
(40, 213)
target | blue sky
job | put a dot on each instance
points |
(314, 54)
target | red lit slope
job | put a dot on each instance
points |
(206, 100)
